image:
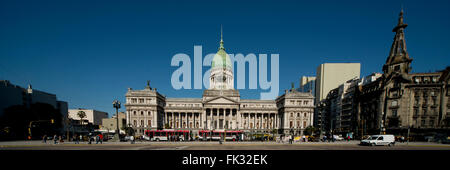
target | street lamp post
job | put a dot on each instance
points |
(116, 104)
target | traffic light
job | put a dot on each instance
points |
(52, 121)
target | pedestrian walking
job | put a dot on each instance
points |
(348, 138)
(76, 139)
(101, 138)
(304, 138)
(55, 139)
(44, 139)
(97, 139)
(90, 139)
(324, 138)
(132, 139)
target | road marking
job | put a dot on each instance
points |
(176, 148)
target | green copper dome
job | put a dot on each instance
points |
(221, 59)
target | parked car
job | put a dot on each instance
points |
(125, 139)
(379, 140)
(338, 137)
(145, 137)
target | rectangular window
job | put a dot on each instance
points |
(394, 112)
(394, 103)
(394, 94)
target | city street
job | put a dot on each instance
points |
(352, 145)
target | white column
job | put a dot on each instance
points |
(248, 121)
(127, 117)
(254, 121)
(204, 118)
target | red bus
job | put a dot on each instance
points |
(234, 135)
(169, 134)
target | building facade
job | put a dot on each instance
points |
(414, 101)
(307, 84)
(328, 77)
(396, 101)
(93, 117)
(219, 108)
(110, 124)
(12, 95)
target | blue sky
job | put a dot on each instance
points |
(89, 52)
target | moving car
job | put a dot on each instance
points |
(379, 140)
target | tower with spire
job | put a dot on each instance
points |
(221, 76)
(398, 60)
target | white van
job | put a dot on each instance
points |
(379, 140)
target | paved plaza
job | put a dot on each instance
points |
(214, 145)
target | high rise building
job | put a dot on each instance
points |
(328, 77)
(331, 75)
(308, 84)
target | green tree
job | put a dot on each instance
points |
(128, 130)
(309, 130)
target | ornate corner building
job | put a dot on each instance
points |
(220, 108)
(400, 100)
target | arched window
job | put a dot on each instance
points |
(149, 123)
(135, 122)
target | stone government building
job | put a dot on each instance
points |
(220, 108)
